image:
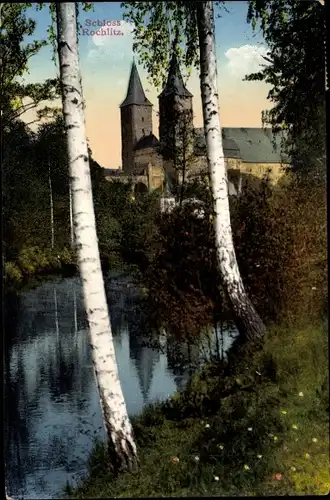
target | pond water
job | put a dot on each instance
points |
(52, 412)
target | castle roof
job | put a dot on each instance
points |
(135, 93)
(257, 145)
(148, 141)
(174, 84)
(252, 145)
(230, 148)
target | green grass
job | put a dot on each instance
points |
(262, 430)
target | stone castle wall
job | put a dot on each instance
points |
(147, 155)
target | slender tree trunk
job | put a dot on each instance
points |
(182, 185)
(122, 448)
(51, 208)
(248, 322)
(52, 228)
(183, 167)
(71, 218)
(72, 247)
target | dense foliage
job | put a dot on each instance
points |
(294, 32)
(281, 253)
(16, 96)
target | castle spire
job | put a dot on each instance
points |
(135, 93)
(174, 84)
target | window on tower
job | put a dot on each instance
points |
(143, 118)
(143, 132)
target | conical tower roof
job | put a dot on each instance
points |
(174, 84)
(135, 93)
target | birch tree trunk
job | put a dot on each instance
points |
(52, 228)
(72, 247)
(51, 202)
(122, 448)
(247, 320)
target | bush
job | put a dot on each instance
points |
(31, 260)
(13, 273)
(281, 250)
(35, 262)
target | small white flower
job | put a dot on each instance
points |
(259, 456)
(275, 438)
(296, 439)
(313, 287)
(314, 440)
(246, 467)
(307, 455)
(294, 426)
(220, 446)
(250, 429)
(293, 469)
(196, 458)
(258, 373)
(216, 478)
(284, 412)
(207, 426)
(301, 394)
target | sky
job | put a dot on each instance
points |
(106, 61)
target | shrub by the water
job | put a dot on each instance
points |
(34, 262)
(280, 241)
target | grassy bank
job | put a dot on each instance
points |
(261, 429)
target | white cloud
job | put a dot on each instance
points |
(105, 45)
(245, 59)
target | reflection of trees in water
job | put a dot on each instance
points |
(145, 357)
(41, 368)
(182, 356)
(116, 308)
(16, 427)
(127, 315)
(121, 305)
(60, 360)
(11, 303)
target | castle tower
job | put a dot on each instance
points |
(136, 119)
(175, 110)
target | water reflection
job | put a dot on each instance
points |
(52, 413)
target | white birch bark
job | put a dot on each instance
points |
(72, 247)
(51, 208)
(247, 320)
(71, 218)
(122, 448)
(52, 228)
